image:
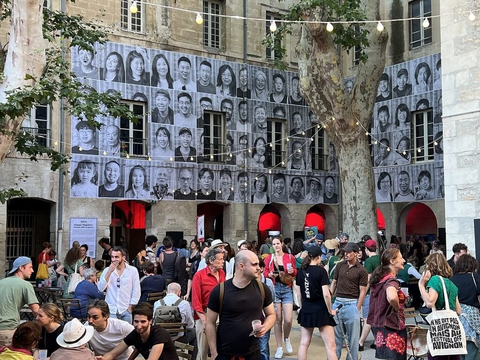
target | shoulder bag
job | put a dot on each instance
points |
(446, 335)
(75, 279)
(283, 276)
(42, 272)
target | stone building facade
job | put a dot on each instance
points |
(163, 28)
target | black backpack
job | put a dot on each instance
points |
(167, 314)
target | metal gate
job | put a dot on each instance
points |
(20, 234)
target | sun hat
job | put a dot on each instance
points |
(217, 242)
(75, 334)
(332, 243)
(20, 261)
(240, 243)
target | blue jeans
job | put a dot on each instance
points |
(264, 348)
(283, 294)
(125, 316)
(349, 316)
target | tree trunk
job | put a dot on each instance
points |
(358, 195)
(347, 116)
(26, 56)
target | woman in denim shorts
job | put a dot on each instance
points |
(274, 265)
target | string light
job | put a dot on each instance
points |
(133, 7)
(367, 133)
(426, 23)
(388, 149)
(128, 156)
(80, 148)
(380, 27)
(329, 27)
(55, 143)
(171, 158)
(104, 152)
(471, 16)
(149, 158)
(419, 150)
(199, 19)
(273, 26)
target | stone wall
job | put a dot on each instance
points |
(461, 120)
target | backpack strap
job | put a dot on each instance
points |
(176, 303)
(162, 302)
(220, 297)
(262, 289)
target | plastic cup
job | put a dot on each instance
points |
(42, 354)
(289, 266)
(256, 324)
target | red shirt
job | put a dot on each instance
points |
(202, 285)
(270, 266)
(40, 257)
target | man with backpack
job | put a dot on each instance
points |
(173, 309)
(238, 303)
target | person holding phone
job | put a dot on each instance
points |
(122, 284)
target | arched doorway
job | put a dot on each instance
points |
(315, 217)
(28, 227)
(213, 219)
(269, 220)
(420, 220)
(129, 221)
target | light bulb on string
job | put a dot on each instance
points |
(471, 16)
(366, 133)
(435, 143)
(283, 163)
(199, 19)
(149, 158)
(419, 150)
(273, 26)
(380, 27)
(133, 7)
(376, 142)
(357, 123)
(191, 158)
(271, 145)
(404, 153)
(288, 139)
(324, 126)
(329, 27)
(269, 171)
(250, 151)
(319, 126)
(388, 149)
(171, 158)
(104, 152)
(303, 133)
(128, 156)
(211, 157)
(55, 143)
(80, 148)
(426, 23)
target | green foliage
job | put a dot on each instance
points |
(55, 83)
(348, 35)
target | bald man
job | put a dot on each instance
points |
(243, 301)
(173, 295)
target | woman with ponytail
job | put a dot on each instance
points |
(316, 309)
(386, 308)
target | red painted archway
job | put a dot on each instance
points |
(421, 221)
(269, 219)
(315, 217)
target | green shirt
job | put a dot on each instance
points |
(332, 265)
(14, 294)
(372, 263)
(452, 292)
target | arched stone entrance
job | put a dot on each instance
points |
(273, 217)
(214, 219)
(418, 219)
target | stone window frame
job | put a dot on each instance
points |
(423, 136)
(319, 150)
(213, 25)
(276, 143)
(417, 9)
(132, 22)
(214, 137)
(131, 144)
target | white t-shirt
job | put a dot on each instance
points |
(115, 332)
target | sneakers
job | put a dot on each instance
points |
(279, 353)
(288, 346)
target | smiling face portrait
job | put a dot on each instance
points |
(112, 172)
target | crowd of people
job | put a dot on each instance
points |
(230, 297)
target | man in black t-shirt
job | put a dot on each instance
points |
(242, 302)
(153, 342)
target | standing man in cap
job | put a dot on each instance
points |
(15, 292)
(315, 194)
(372, 262)
(72, 341)
(349, 285)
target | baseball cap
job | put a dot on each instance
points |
(314, 251)
(350, 246)
(20, 261)
(319, 237)
(217, 242)
(371, 244)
